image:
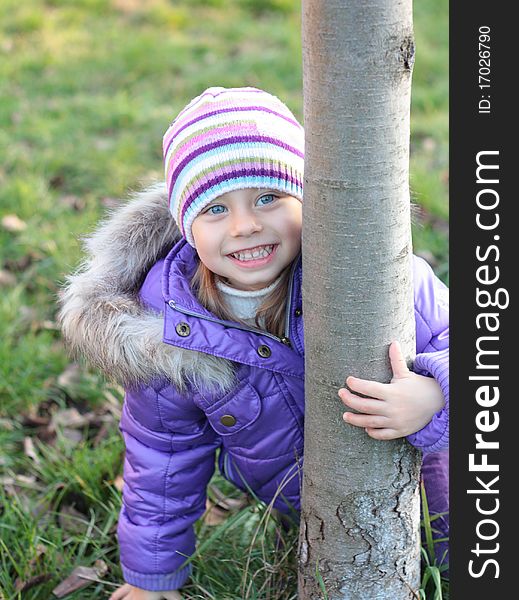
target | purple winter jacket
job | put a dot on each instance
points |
(172, 437)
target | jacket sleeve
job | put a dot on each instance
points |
(431, 298)
(166, 472)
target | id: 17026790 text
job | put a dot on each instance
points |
(484, 69)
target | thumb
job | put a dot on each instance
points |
(398, 363)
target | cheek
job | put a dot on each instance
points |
(195, 232)
(208, 245)
(204, 236)
(295, 222)
(207, 251)
(293, 230)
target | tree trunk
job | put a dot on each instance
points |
(361, 510)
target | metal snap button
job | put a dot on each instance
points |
(286, 341)
(228, 420)
(298, 312)
(183, 329)
(264, 351)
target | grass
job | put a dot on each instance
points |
(88, 88)
(432, 584)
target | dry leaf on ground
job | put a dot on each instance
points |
(80, 577)
(7, 278)
(13, 223)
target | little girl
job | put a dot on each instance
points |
(191, 298)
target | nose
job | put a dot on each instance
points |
(244, 223)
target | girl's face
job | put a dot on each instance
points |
(249, 236)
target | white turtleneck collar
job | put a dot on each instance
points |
(244, 304)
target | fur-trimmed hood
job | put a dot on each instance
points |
(101, 315)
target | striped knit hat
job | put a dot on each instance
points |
(230, 139)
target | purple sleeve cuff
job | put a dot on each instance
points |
(158, 582)
(435, 435)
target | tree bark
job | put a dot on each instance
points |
(360, 502)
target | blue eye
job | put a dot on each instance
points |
(266, 199)
(216, 209)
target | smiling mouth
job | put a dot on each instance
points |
(255, 253)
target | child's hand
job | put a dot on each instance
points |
(395, 409)
(129, 592)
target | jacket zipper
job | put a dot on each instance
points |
(284, 340)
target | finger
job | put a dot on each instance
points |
(373, 389)
(382, 433)
(398, 363)
(121, 592)
(364, 420)
(370, 406)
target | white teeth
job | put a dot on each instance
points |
(254, 253)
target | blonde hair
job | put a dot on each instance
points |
(272, 310)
